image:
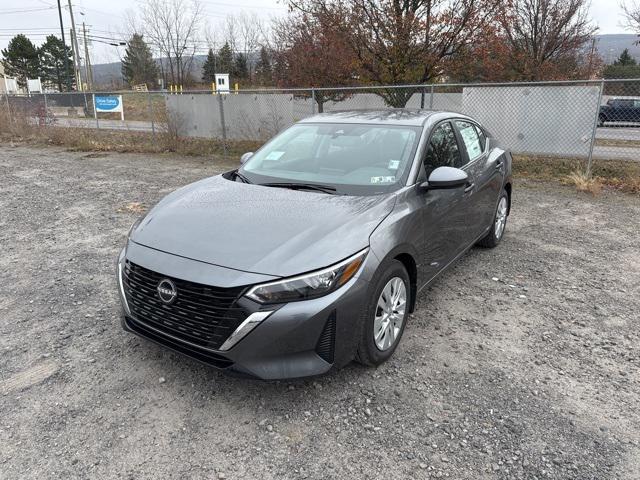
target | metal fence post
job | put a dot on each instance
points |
(46, 109)
(313, 101)
(95, 111)
(431, 98)
(596, 118)
(422, 92)
(153, 125)
(224, 127)
(8, 107)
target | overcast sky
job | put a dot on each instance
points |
(37, 18)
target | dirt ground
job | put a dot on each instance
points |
(520, 362)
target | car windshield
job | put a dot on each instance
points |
(355, 159)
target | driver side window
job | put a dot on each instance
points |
(443, 150)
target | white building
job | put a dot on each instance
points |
(222, 82)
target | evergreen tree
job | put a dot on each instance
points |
(225, 59)
(240, 70)
(138, 65)
(52, 64)
(625, 59)
(20, 60)
(264, 72)
(209, 67)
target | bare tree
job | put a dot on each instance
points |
(545, 34)
(172, 26)
(631, 13)
(230, 29)
(250, 30)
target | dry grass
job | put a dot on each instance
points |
(623, 175)
(617, 142)
(95, 140)
(133, 207)
(138, 106)
(585, 183)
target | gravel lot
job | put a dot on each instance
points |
(520, 362)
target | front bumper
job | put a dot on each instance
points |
(297, 339)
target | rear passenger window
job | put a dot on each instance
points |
(470, 138)
(443, 149)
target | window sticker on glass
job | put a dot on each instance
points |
(384, 179)
(470, 138)
(275, 155)
(393, 164)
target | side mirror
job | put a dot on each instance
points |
(445, 177)
(245, 157)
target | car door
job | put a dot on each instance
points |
(624, 111)
(442, 210)
(636, 111)
(485, 177)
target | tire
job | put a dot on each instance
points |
(369, 353)
(601, 120)
(493, 236)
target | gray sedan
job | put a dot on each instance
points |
(312, 253)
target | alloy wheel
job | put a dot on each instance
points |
(389, 314)
(501, 218)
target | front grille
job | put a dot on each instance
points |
(327, 340)
(201, 315)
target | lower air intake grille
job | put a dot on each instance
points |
(192, 351)
(327, 340)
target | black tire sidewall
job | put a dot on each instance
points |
(504, 195)
(490, 240)
(368, 352)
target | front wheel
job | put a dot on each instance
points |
(495, 234)
(385, 315)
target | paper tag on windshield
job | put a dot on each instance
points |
(394, 164)
(387, 179)
(275, 155)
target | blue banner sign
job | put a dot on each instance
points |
(109, 104)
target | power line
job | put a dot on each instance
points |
(240, 6)
(26, 10)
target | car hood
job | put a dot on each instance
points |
(260, 229)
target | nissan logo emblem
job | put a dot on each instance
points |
(167, 291)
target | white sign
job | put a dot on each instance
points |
(109, 103)
(10, 85)
(34, 85)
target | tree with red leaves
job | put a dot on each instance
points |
(310, 52)
(402, 41)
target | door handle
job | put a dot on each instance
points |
(469, 187)
(498, 164)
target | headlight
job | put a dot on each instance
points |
(310, 285)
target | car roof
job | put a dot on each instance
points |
(393, 116)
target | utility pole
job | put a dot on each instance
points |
(64, 46)
(75, 43)
(76, 61)
(87, 63)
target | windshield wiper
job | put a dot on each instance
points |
(237, 174)
(303, 186)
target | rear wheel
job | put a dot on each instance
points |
(385, 315)
(495, 234)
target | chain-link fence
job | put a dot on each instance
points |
(578, 119)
